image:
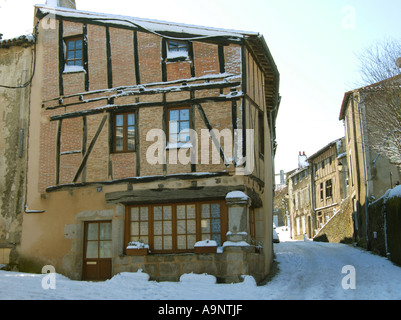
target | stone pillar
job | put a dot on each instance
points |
(238, 204)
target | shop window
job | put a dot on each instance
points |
(168, 228)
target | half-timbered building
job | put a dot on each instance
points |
(151, 146)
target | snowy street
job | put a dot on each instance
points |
(307, 271)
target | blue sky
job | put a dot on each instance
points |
(314, 44)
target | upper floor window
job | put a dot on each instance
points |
(329, 189)
(178, 125)
(261, 127)
(74, 54)
(124, 132)
(177, 49)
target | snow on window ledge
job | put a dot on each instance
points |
(173, 56)
(73, 69)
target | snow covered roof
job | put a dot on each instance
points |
(163, 28)
(369, 88)
(24, 40)
(336, 142)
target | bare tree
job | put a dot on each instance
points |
(381, 73)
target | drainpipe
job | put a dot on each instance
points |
(364, 172)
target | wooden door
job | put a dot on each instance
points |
(97, 260)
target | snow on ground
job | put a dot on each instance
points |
(307, 271)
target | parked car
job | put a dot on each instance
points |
(276, 238)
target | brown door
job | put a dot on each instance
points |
(97, 262)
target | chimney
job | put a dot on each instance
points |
(302, 163)
(62, 3)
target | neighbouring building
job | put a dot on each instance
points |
(329, 182)
(316, 189)
(16, 67)
(150, 143)
(299, 199)
(371, 173)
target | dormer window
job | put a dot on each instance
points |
(177, 49)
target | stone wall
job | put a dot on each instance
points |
(227, 267)
(15, 69)
(339, 229)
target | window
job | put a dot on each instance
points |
(261, 127)
(74, 54)
(178, 125)
(177, 49)
(321, 192)
(176, 227)
(124, 132)
(329, 189)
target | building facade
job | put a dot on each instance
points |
(151, 142)
(316, 189)
(329, 176)
(16, 67)
(371, 173)
(300, 204)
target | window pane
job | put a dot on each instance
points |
(70, 55)
(131, 119)
(78, 44)
(144, 214)
(144, 229)
(181, 212)
(168, 243)
(135, 214)
(184, 114)
(191, 241)
(92, 231)
(105, 249)
(119, 144)
(105, 231)
(191, 213)
(135, 228)
(182, 242)
(173, 138)
(78, 54)
(184, 126)
(158, 228)
(215, 225)
(71, 63)
(131, 133)
(174, 115)
(131, 144)
(205, 223)
(184, 137)
(172, 45)
(167, 227)
(167, 213)
(119, 120)
(71, 45)
(215, 210)
(78, 63)
(158, 243)
(92, 250)
(205, 211)
(173, 127)
(191, 227)
(157, 213)
(181, 227)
